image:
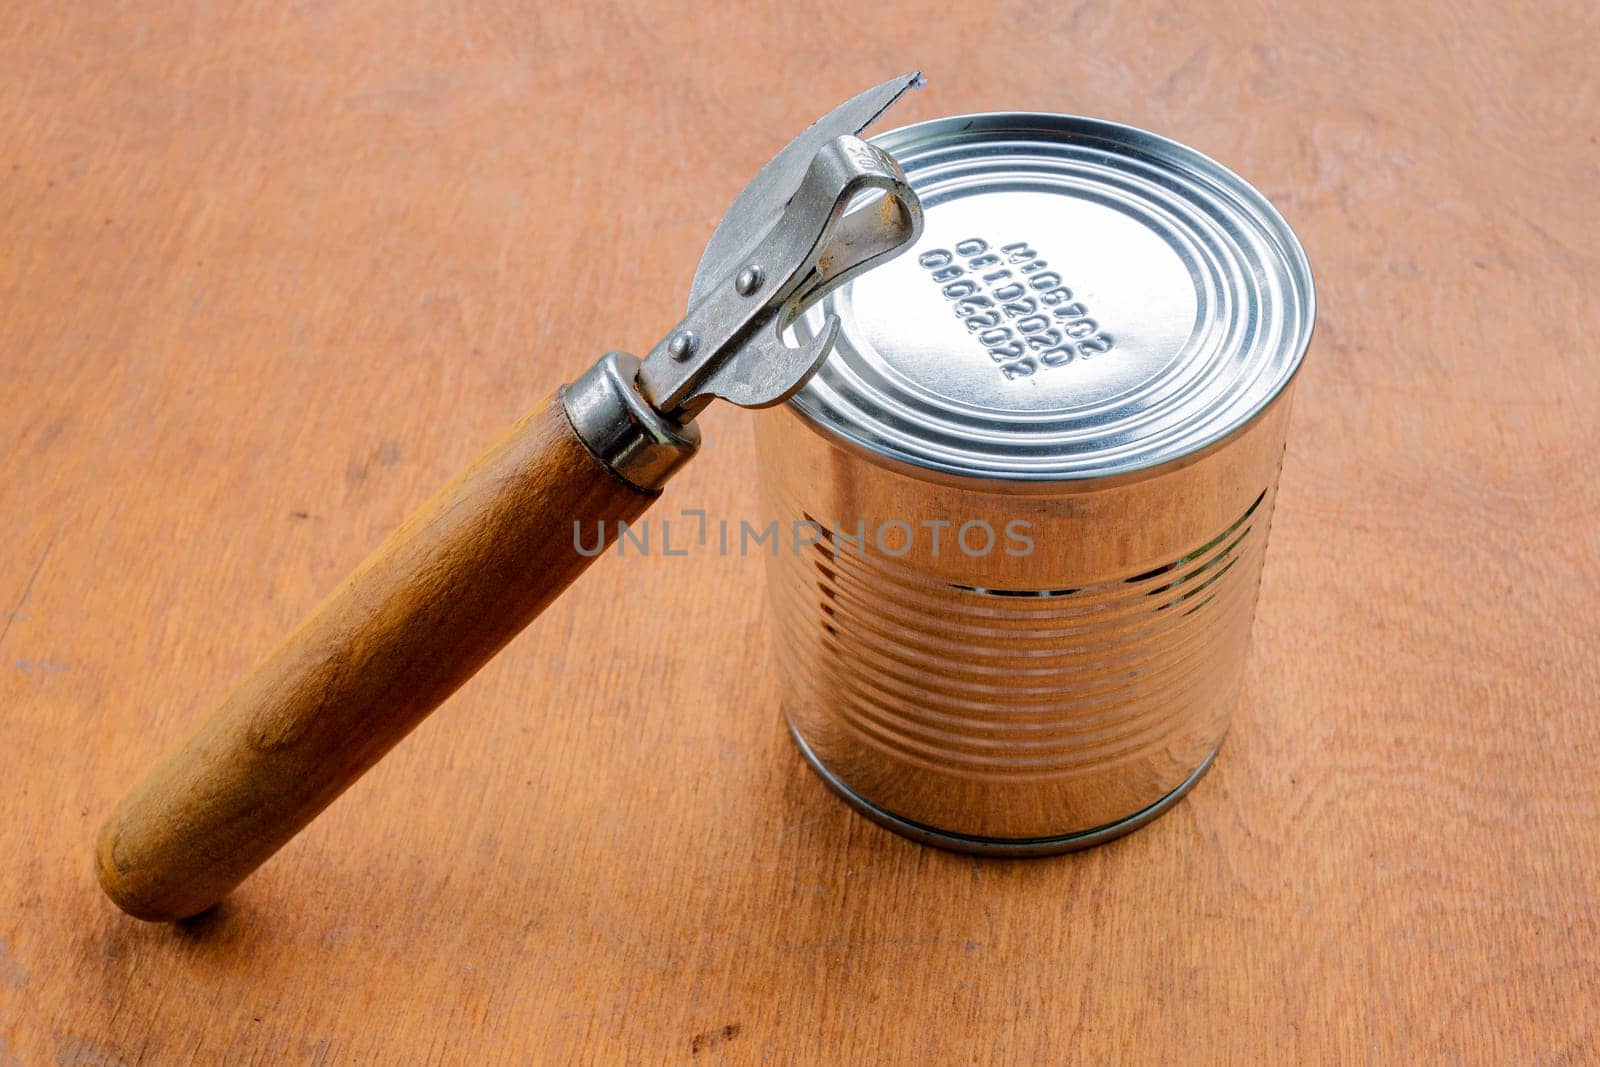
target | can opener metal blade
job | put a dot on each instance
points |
(471, 568)
(825, 209)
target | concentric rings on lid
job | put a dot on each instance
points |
(1087, 299)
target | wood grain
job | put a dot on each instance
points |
(272, 274)
(462, 575)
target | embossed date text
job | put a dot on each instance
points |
(1015, 305)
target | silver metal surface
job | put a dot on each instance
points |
(749, 280)
(823, 210)
(621, 430)
(1086, 299)
(851, 210)
(762, 200)
(1019, 700)
(995, 846)
(800, 228)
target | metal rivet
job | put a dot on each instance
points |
(748, 281)
(683, 344)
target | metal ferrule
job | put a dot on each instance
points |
(636, 442)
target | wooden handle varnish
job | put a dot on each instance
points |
(441, 596)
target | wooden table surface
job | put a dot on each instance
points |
(270, 275)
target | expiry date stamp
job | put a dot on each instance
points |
(1015, 305)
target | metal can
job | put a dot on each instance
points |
(1029, 491)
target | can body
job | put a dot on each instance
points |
(1013, 603)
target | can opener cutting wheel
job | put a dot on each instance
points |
(478, 562)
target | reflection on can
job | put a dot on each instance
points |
(1040, 465)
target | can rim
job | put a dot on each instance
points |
(1022, 485)
(1287, 244)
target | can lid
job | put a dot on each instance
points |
(1087, 299)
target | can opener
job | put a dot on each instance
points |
(477, 563)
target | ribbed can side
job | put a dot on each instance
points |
(1016, 698)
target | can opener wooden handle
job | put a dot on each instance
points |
(483, 558)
